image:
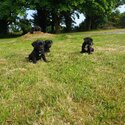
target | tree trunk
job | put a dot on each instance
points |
(52, 24)
(56, 23)
(42, 18)
(3, 27)
(68, 21)
(96, 22)
(88, 23)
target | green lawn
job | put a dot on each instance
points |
(71, 89)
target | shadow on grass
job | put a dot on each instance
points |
(10, 35)
(77, 53)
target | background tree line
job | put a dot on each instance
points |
(57, 16)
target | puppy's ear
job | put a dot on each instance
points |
(86, 39)
(48, 41)
(34, 44)
(91, 39)
(45, 41)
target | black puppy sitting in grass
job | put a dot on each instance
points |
(38, 51)
(87, 46)
(40, 48)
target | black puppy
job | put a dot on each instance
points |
(35, 28)
(38, 51)
(87, 45)
(47, 45)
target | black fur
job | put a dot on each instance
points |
(47, 46)
(38, 51)
(35, 28)
(87, 45)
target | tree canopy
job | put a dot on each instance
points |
(51, 13)
(9, 11)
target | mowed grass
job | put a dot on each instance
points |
(71, 89)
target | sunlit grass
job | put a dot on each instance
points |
(71, 89)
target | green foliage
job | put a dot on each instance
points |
(117, 19)
(122, 20)
(9, 10)
(97, 12)
(51, 13)
(22, 25)
(25, 25)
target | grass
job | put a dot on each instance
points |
(72, 89)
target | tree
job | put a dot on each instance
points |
(24, 25)
(40, 18)
(51, 12)
(122, 20)
(97, 12)
(9, 10)
(114, 18)
(63, 10)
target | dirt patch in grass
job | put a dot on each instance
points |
(21, 70)
(3, 61)
(106, 49)
(37, 35)
(116, 49)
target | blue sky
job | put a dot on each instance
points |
(78, 21)
(121, 8)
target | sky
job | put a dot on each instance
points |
(78, 21)
(121, 8)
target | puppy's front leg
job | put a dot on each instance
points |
(89, 50)
(44, 58)
(34, 60)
